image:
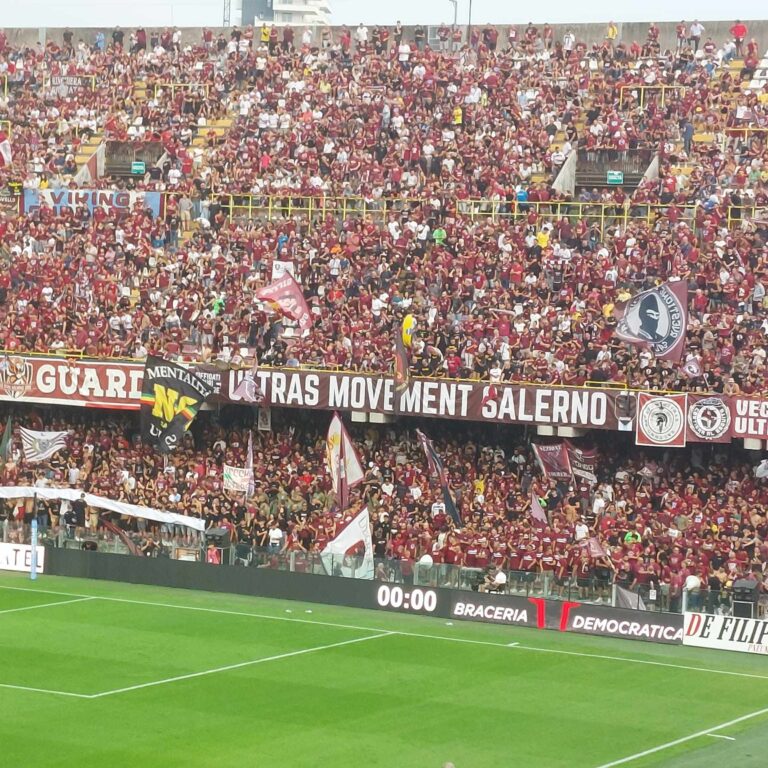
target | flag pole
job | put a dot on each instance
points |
(33, 542)
(343, 493)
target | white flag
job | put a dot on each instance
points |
(343, 464)
(237, 479)
(356, 531)
(39, 446)
(249, 465)
(6, 153)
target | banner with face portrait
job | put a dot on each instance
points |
(656, 319)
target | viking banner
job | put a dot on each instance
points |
(554, 461)
(656, 319)
(661, 420)
(114, 202)
(170, 399)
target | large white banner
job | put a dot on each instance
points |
(18, 557)
(726, 633)
(121, 507)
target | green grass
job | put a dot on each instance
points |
(414, 698)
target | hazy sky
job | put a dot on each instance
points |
(555, 11)
(192, 13)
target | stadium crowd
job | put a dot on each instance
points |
(516, 287)
(431, 173)
(657, 518)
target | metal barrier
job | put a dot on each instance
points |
(317, 209)
(534, 584)
(173, 87)
(663, 90)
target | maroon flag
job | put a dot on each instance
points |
(657, 319)
(438, 472)
(594, 548)
(121, 534)
(537, 511)
(583, 461)
(491, 395)
(285, 296)
(554, 461)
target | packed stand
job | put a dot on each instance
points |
(658, 519)
(519, 288)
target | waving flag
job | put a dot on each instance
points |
(39, 446)
(491, 395)
(408, 329)
(402, 365)
(249, 465)
(6, 447)
(657, 319)
(354, 540)
(537, 511)
(249, 390)
(6, 153)
(691, 368)
(437, 471)
(170, 399)
(343, 464)
(583, 461)
(554, 461)
(285, 297)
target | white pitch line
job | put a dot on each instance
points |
(684, 739)
(532, 648)
(44, 690)
(236, 666)
(719, 736)
(47, 605)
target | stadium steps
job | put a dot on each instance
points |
(187, 234)
(140, 91)
(85, 152)
(589, 180)
(219, 127)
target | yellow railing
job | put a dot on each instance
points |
(663, 90)
(737, 214)
(743, 131)
(173, 87)
(318, 209)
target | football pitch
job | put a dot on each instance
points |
(102, 674)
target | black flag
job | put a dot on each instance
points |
(170, 399)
